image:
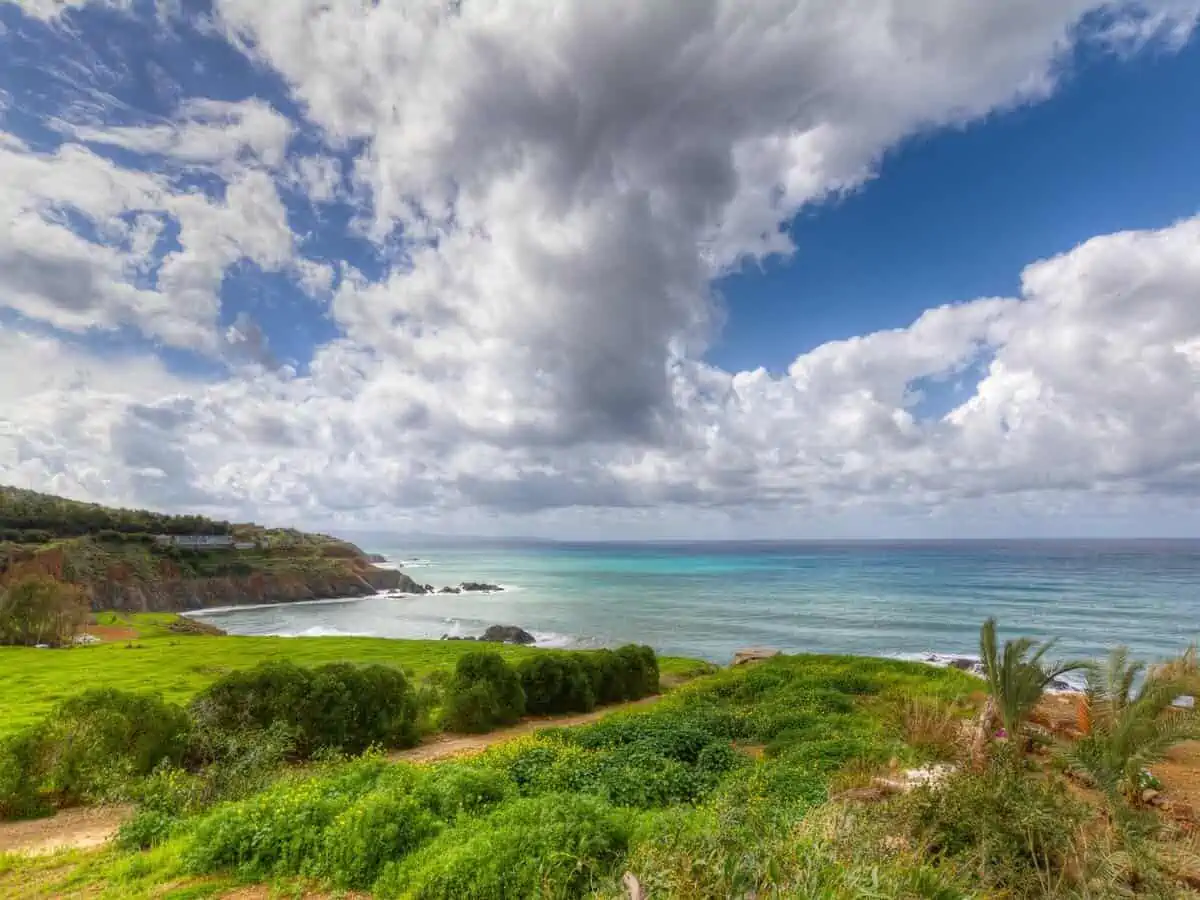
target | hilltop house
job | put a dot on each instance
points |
(197, 541)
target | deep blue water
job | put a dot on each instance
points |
(709, 599)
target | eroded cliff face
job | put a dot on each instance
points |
(120, 586)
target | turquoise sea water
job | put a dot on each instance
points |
(709, 599)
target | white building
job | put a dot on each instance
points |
(197, 541)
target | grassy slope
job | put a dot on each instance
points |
(815, 715)
(179, 666)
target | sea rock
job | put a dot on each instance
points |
(479, 586)
(753, 654)
(457, 637)
(450, 590)
(1059, 685)
(376, 558)
(507, 634)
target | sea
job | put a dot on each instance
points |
(922, 600)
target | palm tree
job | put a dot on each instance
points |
(1017, 679)
(1131, 728)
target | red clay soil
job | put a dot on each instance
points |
(112, 632)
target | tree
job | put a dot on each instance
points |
(1017, 679)
(1130, 728)
(39, 609)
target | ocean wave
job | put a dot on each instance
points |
(1070, 683)
(320, 631)
(218, 610)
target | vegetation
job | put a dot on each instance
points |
(1017, 679)
(1126, 728)
(485, 693)
(40, 610)
(784, 779)
(30, 517)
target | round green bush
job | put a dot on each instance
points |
(338, 706)
(556, 683)
(92, 745)
(485, 693)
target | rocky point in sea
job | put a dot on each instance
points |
(498, 634)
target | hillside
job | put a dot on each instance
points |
(124, 560)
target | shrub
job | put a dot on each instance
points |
(556, 683)
(39, 609)
(381, 827)
(485, 693)
(556, 846)
(1013, 830)
(94, 744)
(606, 672)
(19, 797)
(281, 831)
(454, 790)
(641, 670)
(337, 706)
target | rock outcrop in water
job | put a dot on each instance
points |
(507, 634)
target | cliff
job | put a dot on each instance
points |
(146, 579)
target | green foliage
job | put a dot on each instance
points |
(280, 831)
(93, 745)
(556, 683)
(39, 609)
(383, 826)
(19, 761)
(58, 517)
(1017, 677)
(484, 694)
(1015, 831)
(336, 706)
(1130, 729)
(641, 670)
(557, 846)
(454, 790)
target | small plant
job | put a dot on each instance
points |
(1130, 728)
(930, 726)
(1017, 679)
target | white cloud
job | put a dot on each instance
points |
(553, 190)
(209, 132)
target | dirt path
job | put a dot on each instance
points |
(75, 829)
(446, 746)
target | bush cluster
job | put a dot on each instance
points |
(486, 692)
(89, 749)
(337, 706)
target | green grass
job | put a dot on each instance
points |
(180, 666)
(662, 791)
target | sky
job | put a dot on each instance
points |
(718, 269)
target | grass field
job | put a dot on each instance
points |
(179, 666)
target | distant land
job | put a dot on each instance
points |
(140, 561)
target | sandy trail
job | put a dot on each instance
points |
(74, 829)
(445, 746)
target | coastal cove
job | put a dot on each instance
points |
(706, 600)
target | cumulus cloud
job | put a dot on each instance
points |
(550, 193)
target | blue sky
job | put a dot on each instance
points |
(651, 273)
(957, 214)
